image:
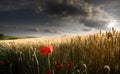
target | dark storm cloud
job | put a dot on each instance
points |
(62, 8)
(88, 14)
(45, 30)
(6, 5)
(98, 24)
(96, 2)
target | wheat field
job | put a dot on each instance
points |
(88, 54)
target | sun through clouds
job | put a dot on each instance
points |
(113, 23)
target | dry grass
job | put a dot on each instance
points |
(97, 50)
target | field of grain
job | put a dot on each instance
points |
(85, 54)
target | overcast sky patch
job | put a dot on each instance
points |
(58, 16)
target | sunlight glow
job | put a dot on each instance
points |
(112, 23)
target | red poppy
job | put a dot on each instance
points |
(69, 65)
(58, 65)
(46, 50)
(49, 72)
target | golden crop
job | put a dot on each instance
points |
(94, 51)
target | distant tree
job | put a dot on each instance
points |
(1, 36)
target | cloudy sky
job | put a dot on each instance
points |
(58, 17)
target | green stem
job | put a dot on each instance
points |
(37, 62)
(11, 68)
(49, 61)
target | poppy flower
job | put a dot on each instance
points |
(49, 72)
(69, 65)
(58, 65)
(46, 50)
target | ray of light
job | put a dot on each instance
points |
(113, 23)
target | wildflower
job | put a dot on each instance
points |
(49, 72)
(69, 65)
(58, 65)
(46, 50)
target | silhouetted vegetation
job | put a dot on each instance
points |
(1, 36)
(4, 37)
